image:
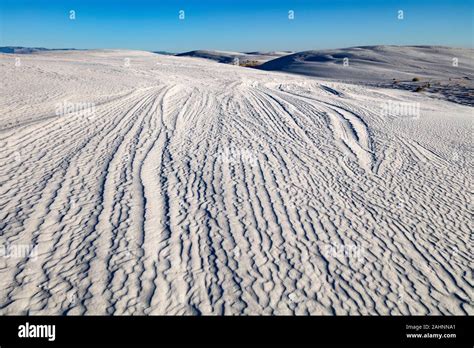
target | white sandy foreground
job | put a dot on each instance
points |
(193, 187)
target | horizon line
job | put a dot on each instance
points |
(226, 50)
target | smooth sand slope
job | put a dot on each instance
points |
(193, 187)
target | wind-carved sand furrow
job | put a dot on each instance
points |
(204, 220)
(46, 231)
(134, 231)
(348, 128)
(105, 263)
(351, 137)
(72, 122)
(273, 229)
(169, 274)
(53, 116)
(247, 234)
(129, 243)
(49, 158)
(83, 250)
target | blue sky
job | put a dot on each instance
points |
(237, 25)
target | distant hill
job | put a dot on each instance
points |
(166, 53)
(218, 56)
(28, 50)
(270, 53)
(378, 63)
(237, 58)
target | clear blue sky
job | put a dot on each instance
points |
(237, 25)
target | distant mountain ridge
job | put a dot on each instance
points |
(28, 50)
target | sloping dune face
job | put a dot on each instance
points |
(235, 58)
(218, 56)
(379, 63)
(132, 183)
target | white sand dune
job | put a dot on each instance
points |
(229, 57)
(192, 187)
(379, 63)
